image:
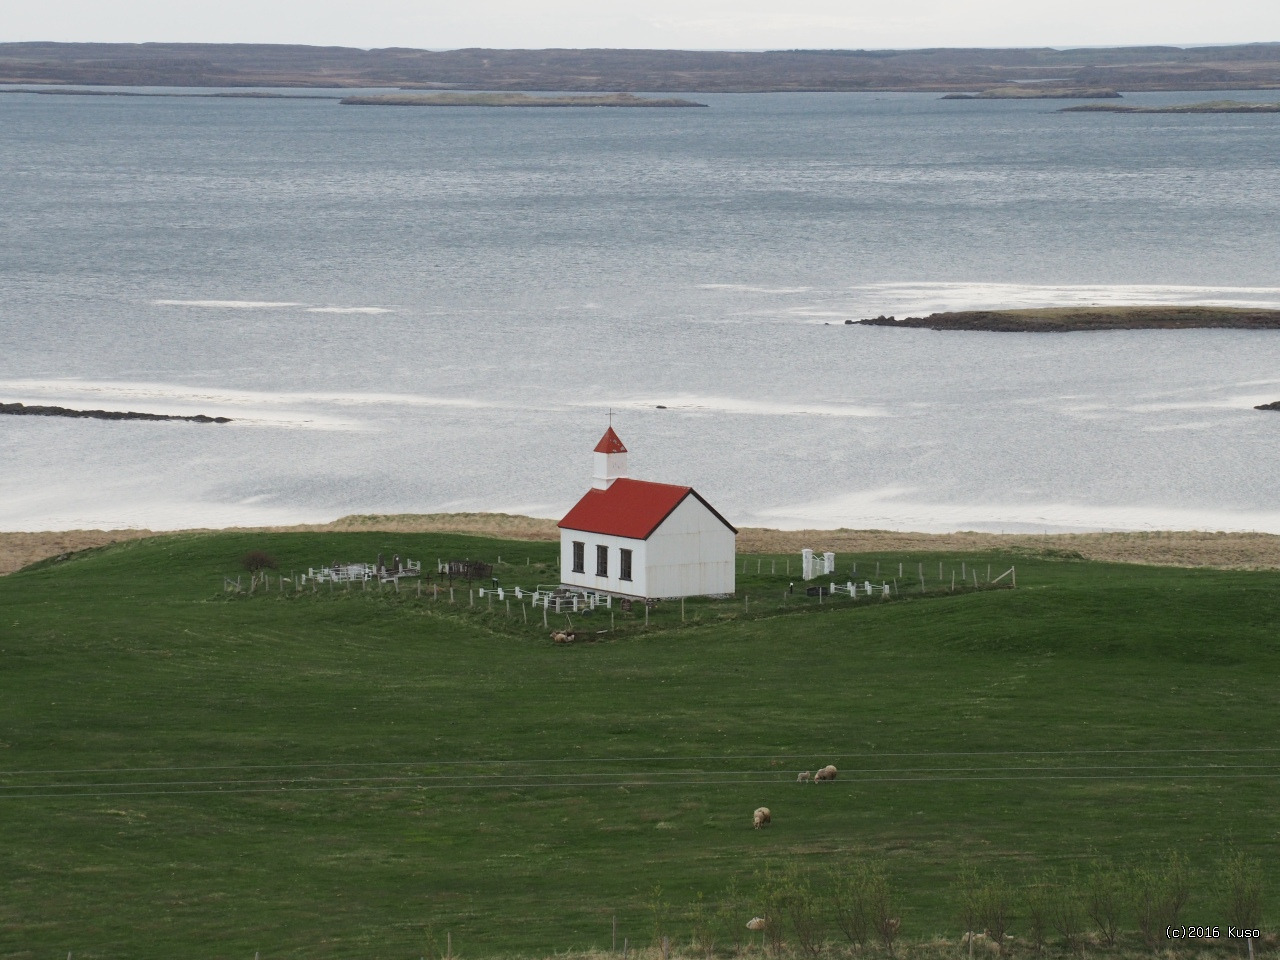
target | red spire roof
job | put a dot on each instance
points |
(610, 443)
(629, 508)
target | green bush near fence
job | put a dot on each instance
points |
(190, 771)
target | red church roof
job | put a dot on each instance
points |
(630, 508)
(610, 443)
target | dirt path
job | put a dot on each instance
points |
(1238, 551)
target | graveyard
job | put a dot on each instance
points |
(368, 767)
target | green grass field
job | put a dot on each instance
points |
(186, 772)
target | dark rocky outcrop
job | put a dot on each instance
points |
(1208, 106)
(513, 100)
(1067, 319)
(1033, 91)
(22, 410)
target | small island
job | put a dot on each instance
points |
(22, 410)
(513, 100)
(1207, 106)
(1273, 405)
(1033, 91)
(1071, 319)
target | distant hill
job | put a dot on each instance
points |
(1245, 66)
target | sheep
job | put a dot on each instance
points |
(761, 818)
(757, 923)
(826, 773)
(561, 636)
(804, 776)
(980, 940)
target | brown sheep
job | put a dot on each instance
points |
(761, 818)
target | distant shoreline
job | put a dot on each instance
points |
(1184, 548)
(1074, 319)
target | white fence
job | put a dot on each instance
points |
(361, 572)
(554, 599)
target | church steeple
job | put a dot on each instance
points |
(611, 461)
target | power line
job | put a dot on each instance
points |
(182, 790)
(585, 778)
(838, 755)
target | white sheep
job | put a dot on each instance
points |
(826, 773)
(804, 776)
(757, 923)
(761, 818)
(981, 940)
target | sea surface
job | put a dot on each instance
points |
(422, 310)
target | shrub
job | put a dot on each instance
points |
(804, 907)
(1240, 891)
(1040, 898)
(1158, 896)
(1104, 899)
(880, 901)
(773, 901)
(256, 560)
(702, 922)
(851, 903)
(660, 910)
(1067, 913)
(994, 907)
(971, 905)
(729, 917)
(986, 907)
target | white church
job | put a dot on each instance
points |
(633, 538)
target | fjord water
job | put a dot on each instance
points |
(418, 310)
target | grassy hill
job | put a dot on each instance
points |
(187, 771)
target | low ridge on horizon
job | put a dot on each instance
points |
(610, 69)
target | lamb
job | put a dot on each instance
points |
(804, 776)
(826, 773)
(761, 818)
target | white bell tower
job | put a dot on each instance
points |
(611, 461)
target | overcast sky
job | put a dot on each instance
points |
(686, 24)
